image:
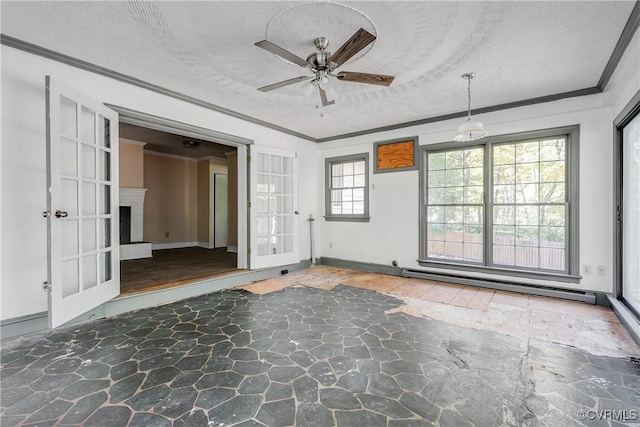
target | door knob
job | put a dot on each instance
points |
(61, 214)
(46, 214)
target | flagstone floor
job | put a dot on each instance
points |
(331, 347)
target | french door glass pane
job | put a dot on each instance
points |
(631, 214)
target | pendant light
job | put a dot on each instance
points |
(471, 129)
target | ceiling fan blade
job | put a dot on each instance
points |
(282, 53)
(355, 44)
(374, 79)
(284, 83)
(323, 98)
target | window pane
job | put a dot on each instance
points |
(526, 193)
(435, 214)
(358, 194)
(527, 152)
(552, 193)
(526, 215)
(359, 181)
(504, 174)
(473, 176)
(437, 178)
(552, 172)
(454, 177)
(474, 158)
(552, 215)
(473, 215)
(437, 161)
(504, 154)
(453, 214)
(337, 182)
(553, 149)
(503, 215)
(347, 168)
(504, 193)
(473, 195)
(358, 167)
(336, 170)
(454, 195)
(435, 232)
(436, 196)
(455, 159)
(527, 172)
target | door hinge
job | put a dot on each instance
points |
(249, 251)
(249, 204)
(618, 214)
(248, 159)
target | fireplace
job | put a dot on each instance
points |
(131, 224)
(125, 225)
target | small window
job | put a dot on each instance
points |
(347, 188)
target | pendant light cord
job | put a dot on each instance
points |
(469, 98)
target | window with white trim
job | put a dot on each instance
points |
(507, 203)
(347, 188)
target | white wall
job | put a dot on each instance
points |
(23, 167)
(392, 233)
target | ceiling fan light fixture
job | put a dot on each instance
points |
(471, 129)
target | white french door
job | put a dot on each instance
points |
(82, 203)
(274, 229)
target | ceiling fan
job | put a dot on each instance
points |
(323, 64)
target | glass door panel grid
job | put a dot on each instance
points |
(85, 194)
(274, 210)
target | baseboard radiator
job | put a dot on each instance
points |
(503, 285)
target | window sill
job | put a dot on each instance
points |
(527, 274)
(344, 218)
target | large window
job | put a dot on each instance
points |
(507, 203)
(347, 191)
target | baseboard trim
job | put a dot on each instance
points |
(204, 245)
(233, 249)
(175, 245)
(38, 322)
(359, 265)
(22, 325)
(627, 318)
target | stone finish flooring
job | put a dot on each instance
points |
(329, 347)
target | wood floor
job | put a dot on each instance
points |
(173, 267)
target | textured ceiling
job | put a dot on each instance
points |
(205, 49)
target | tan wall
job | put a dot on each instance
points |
(204, 201)
(131, 164)
(171, 199)
(232, 177)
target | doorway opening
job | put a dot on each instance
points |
(179, 195)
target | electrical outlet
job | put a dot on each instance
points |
(45, 286)
(330, 245)
(601, 270)
(166, 234)
(586, 269)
